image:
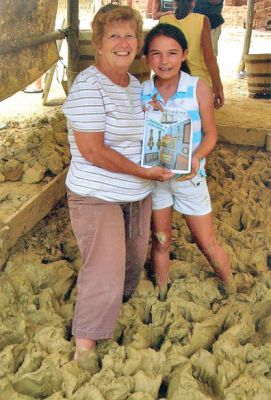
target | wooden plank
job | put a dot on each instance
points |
(242, 135)
(31, 213)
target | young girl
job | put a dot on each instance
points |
(166, 49)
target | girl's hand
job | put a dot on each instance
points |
(155, 104)
(159, 174)
(194, 169)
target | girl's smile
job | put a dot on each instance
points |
(165, 57)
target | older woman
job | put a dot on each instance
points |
(108, 191)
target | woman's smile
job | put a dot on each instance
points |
(121, 53)
(118, 47)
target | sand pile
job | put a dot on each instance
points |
(30, 150)
(196, 344)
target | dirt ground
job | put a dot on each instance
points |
(197, 343)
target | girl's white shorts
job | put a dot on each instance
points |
(188, 197)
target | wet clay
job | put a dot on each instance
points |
(198, 343)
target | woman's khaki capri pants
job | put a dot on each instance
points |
(113, 242)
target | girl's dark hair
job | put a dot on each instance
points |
(183, 8)
(170, 31)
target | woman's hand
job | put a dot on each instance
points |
(158, 174)
(93, 149)
(195, 164)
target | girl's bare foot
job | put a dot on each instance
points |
(229, 285)
(162, 286)
(162, 292)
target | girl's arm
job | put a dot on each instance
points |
(206, 110)
(92, 147)
(211, 63)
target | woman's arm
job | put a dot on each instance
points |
(93, 149)
(156, 12)
(211, 63)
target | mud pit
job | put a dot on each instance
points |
(198, 343)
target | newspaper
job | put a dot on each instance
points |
(167, 140)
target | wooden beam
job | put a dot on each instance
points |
(50, 74)
(15, 44)
(247, 39)
(73, 40)
(30, 214)
(243, 136)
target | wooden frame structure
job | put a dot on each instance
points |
(247, 40)
(71, 33)
(36, 208)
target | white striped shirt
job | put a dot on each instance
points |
(96, 104)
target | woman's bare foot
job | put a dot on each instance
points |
(225, 275)
(83, 345)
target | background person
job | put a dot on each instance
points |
(200, 59)
(158, 10)
(35, 87)
(166, 50)
(108, 191)
(213, 10)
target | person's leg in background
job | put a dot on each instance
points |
(215, 34)
(35, 87)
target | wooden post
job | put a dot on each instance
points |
(73, 40)
(49, 75)
(249, 24)
(268, 142)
